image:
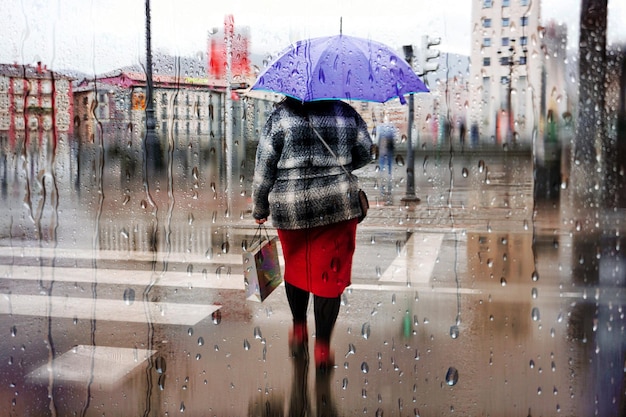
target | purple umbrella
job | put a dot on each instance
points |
(340, 67)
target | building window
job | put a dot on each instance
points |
(523, 2)
(524, 21)
(504, 80)
(522, 60)
(486, 41)
(504, 60)
(486, 62)
(505, 42)
(523, 40)
(505, 22)
(506, 3)
(487, 4)
(486, 23)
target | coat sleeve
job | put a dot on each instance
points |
(266, 166)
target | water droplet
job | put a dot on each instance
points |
(465, 172)
(454, 331)
(190, 331)
(503, 282)
(351, 350)
(13, 331)
(216, 317)
(160, 365)
(365, 368)
(200, 341)
(365, 331)
(534, 293)
(257, 333)
(535, 314)
(161, 382)
(189, 270)
(481, 165)
(129, 296)
(246, 344)
(452, 376)
(535, 276)
(344, 384)
(399, 245)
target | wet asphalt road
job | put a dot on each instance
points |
(480, 300)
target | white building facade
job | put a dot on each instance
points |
(506, 71)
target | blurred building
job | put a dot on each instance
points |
(506, 71)
(113, 105)
(35, 109)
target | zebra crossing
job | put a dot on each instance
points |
(413, 265)
(107, 365)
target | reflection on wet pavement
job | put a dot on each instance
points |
(478, 301)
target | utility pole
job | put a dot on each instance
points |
(410, 158)
(426, 66)
(510, 61)
(151, 145)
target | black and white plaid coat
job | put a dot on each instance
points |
(296, 179)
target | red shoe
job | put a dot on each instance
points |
(299, 340)
(324, 357)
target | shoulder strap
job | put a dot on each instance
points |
(329, 149)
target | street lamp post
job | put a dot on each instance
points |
(510, 134)
(410, 160)
(152, 146)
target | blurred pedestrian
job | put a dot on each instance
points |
(386, 133)
(462, 132)
(314, 206)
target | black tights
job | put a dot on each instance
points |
(325, 309)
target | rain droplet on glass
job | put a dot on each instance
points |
(129, 296)
(452, 376)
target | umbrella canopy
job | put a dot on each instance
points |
(340, 67)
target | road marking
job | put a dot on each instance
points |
(416, 261)
(104, 309)
(103, 366)
(217, 278)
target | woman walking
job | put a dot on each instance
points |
(313, 200)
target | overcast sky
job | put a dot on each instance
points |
(95, 36)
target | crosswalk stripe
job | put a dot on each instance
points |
(102, 365)
(416, 262)
(217, 278)
(104, 309)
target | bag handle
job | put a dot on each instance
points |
(259, 234)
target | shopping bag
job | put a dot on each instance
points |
(261, 270)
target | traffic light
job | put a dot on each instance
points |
(428, 54)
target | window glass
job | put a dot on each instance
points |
(487, 277)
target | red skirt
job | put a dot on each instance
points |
(319, 259)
